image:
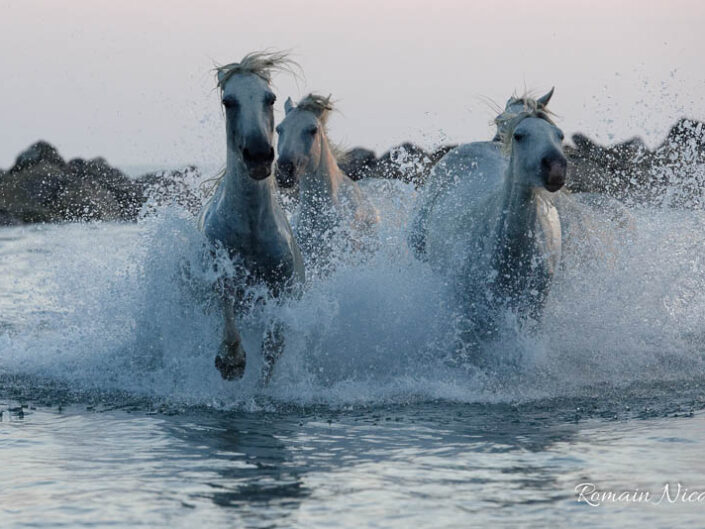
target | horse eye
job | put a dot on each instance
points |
(270, 99)
(229, 102)
(518, 136)
(561, 135)
(312, 131)
(279, 129)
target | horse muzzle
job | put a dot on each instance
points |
(258, 162)
(554, 170)
(286, 173)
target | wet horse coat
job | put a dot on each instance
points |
(328, 198)
(244, 215)
(487, 218)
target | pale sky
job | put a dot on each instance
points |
(131, 80)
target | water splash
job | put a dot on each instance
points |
(128, 308)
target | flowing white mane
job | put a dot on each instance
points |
(321, 107)
(318, 105)
(260, 63)
(518, 109)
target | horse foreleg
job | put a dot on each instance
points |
(272, 349)
(231, 358)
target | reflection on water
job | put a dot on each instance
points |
(433, 465)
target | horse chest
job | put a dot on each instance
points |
(263, 248)
(526, 258)
(549, 236)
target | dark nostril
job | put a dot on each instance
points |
(285, 173)
(554, 164)
(258, 156)
(548, 162)
(285, 165)
(554, 171)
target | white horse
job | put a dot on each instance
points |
(328, 198)
(487, 218)
(244, 216)
(591, 223)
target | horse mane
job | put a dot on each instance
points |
(260, 63)
(321, 107)
(508, 120)
(318, 105)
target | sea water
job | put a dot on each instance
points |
(114, 415)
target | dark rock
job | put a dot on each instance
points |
(42, 187)
(359, 163)
(440, 152)
(29, 190)
(129, 197)
(406, 162)
(182, 187)
(631, 150)
(6, 219)
(688, 135)
(40, 152)
(673, 174)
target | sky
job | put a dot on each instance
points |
(132, 81)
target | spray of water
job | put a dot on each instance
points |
(129, 308)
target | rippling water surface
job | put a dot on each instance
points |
(433, 465)
(113, 415)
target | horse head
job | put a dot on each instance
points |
(248, 102)
(301, 137)
(534, 143)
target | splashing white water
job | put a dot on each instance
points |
(128, 308)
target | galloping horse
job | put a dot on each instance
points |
(244, 216)
(327, 197)
(487, 218)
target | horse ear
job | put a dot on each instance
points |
(288, 105)
(543, 100)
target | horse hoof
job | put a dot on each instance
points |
(231, 364)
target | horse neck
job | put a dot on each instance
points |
(322, 177)
(245, 196)
(516, 224)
